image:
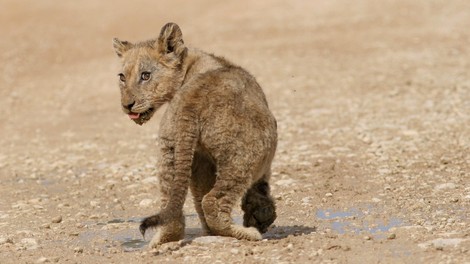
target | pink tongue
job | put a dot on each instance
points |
(134, 115)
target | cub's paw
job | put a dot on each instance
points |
(162, 236)
(247, 233)
(259, 207)
(168, 229)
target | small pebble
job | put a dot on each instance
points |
(78, 250)
(94, 216)
(212, 239)
(30, 243)
(145, 202)
(392, 236)
(42, 260)
(151, 180)
(285, 182)
(445, 186)
(57, 219)
(5, 240)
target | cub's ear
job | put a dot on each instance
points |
(120, 47)
(171, 40)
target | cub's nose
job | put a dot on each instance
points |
(128, 106)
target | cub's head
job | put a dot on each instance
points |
(151, 72)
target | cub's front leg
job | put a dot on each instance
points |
(178, 141)
(173, 188)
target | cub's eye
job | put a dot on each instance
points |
(122, 77)
(145, 76)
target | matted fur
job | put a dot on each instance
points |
(217, 136)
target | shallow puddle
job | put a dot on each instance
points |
(327, 214)
(359, 221)
(367, 220)
(133, 244)
(130, 220)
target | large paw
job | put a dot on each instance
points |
(259, 208)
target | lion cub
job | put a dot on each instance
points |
(217, 136)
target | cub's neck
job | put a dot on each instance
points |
(198, 62)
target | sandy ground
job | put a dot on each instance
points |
(373, 105)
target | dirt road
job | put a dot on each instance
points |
(373, 105)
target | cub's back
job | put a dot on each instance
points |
(232, 109)
(226, 87)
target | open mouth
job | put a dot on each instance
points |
(141, 118)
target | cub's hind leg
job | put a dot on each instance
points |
(258, 206)
(231, 183)
(202, 181)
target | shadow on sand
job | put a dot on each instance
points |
(194, 235)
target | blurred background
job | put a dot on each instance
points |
(58, 68)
